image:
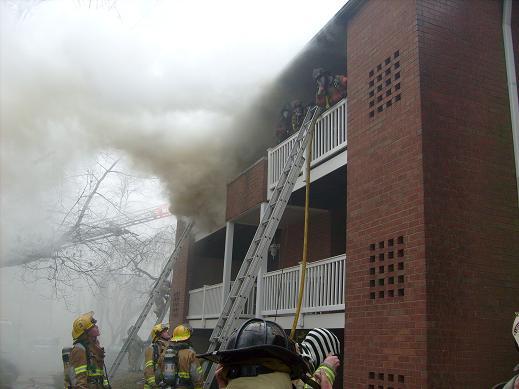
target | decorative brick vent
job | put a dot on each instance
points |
(387, 269)
(379, 380)
(384, 87)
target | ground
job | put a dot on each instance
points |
(123, 380)
(128, 380)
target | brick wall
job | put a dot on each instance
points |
(247, 190)
(385, 339)
(319, 244)
(179, 286)
(471, 215)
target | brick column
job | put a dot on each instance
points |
(180, 282)
(385, 327)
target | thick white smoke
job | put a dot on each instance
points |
(160, 81)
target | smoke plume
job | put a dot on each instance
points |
(172, 87)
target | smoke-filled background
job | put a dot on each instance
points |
(168, 86)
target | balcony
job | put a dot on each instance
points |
(323, 300)
(328, 149)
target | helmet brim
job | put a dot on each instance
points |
(242, 355)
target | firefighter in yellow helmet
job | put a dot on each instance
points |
(154, 356)
(87, 355)
(189, 371)
(171, 362)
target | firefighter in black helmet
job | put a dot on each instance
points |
(260, 355)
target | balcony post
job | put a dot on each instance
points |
(227, 261)
(262, 270)
(203, 307)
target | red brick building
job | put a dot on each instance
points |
(414, 219)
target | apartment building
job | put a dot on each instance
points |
(414, 217)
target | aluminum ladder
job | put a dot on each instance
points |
(242, 286)
(149, 304)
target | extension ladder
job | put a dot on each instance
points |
(242, 286)
(149, 304)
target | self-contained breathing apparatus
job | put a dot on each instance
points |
(69, 373)
(68, 370)
(171, 376)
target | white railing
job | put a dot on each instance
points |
(206, 302)
(324, 292)
(329, 139)
(324, 288)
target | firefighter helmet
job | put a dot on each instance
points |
(82, 323)
(318, 72)
(157, 330)
(181, 333)
(257, 340)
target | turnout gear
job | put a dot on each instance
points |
(135, 349)
(87, 360)
(172, 364)
(83, 323)
(298, 115)
(284, 124)
(330, 89)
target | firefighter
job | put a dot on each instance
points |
(161, 298)
(189, 369)
(284, 124)
(330, 89)
(260, 355)
(298, 115)
(135, 350)
(154, 356)
(87, 355)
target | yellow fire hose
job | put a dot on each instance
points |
(305, 236)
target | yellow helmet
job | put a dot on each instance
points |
(180, 333)
(82, 323)
(157, 329)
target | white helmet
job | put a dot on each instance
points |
(515, 329)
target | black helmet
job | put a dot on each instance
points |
(257, 339)
(318, 72)
(258, 332)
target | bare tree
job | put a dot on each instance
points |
(96, 236)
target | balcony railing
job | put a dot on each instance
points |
(329, 139)
(324, 292)
(324, 288)
(206, 302)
